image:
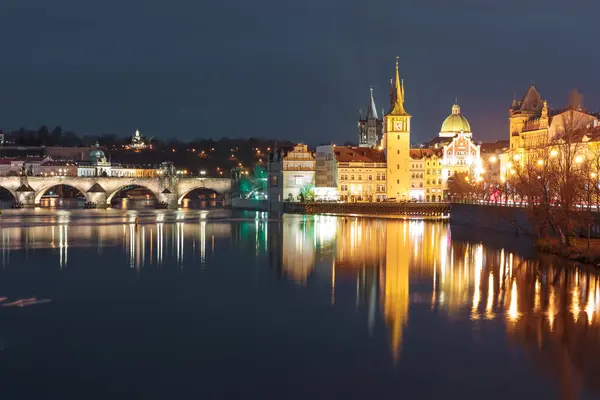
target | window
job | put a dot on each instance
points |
(299, 180)
(378, 188)
(274, 180)
(398, 181)
(427, 172)
(412, 185)
(378, 176)
(397, 166)
(421, 184)
(398, 151)
(370, 177)
(439, 181)
(398, 137)
(360, 177)
(383, 177)
(351, 177)
(428, 181)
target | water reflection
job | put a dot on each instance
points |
(386, 271)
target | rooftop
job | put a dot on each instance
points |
(358, 154)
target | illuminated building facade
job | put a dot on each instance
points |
(100, 166)
(534, 126)
(291, 173)
(357, 173)
(397, 144)
(426, 179)
(137, 141)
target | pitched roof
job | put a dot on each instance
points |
(358, 154)
(371, 109)
(417, 154)
(438, 141)
(531, 102)
(492, 147)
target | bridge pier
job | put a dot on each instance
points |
(169, 198)
(98, 198)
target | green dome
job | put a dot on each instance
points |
(96, 154)
(456, 122)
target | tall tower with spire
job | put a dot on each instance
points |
(370, 126)
(397, 143)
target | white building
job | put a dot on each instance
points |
(290, 171)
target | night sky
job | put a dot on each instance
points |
(296, 70)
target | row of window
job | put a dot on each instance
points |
(379, 177)
(416, 176)
(368, 188)
(433, 172)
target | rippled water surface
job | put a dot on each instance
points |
(214, 304)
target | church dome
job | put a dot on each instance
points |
(96, 154)
(455, 123)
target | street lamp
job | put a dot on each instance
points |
(202, 172)
(578, 159)
(553, 153)
(540, 162)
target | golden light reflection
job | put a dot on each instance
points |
(489, 311)
(575, 308)
(513, 311)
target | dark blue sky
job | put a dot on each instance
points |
(297, 70)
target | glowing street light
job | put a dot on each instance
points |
(493, 159)
(203, 172)
(553, 153)
(516, 157)
(578, 159)
(540, 162)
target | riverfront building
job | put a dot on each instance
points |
(353, 173)
(291, 173)
(537, 130)
(383, 166)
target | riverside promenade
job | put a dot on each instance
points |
(435, 211)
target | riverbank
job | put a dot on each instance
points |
(578, 251)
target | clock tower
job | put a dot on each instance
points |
(397, 144)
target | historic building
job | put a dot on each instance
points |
(370, 126)
(535, 127)
(452, 151)
(397, 144)
(533, 124)
(138, 142)
(99, 165)
(426, 179)
(290, 171)
(357, 173)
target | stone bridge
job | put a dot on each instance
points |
(28, 190)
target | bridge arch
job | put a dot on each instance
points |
(40, 192)
(128, 186)
(219, 194)
(10, 191)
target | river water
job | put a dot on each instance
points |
(215, 304)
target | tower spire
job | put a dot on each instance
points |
(398, 102)
(371, 110)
